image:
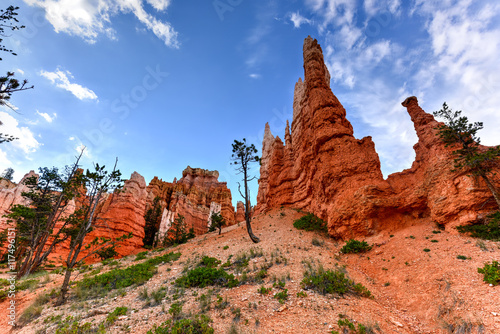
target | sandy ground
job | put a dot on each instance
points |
(414, 291)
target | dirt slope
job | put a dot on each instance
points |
(414, 291)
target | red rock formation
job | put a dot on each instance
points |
(195, 196)
(123, 212)
(11, 194)
(240, 212)
(322, 168)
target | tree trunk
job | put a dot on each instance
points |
(64, 287)
(247, 212)
(493, 189)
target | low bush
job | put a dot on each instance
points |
(113, 316)
(27, 284)
(355, 246)
(264, 291)
(175, 310)
(107, 253)
(282, 296)
(204, 276)
(199, 324)
(332, 282)
(209, 262)
(141, 256)
(122, 278)
(491, 272)
(489, 229)
(310, 222)
(34, 310)
(347, 326)
(301, 294)
(72, 325)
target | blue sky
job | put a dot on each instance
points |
(162, 84)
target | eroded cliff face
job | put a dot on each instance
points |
(195, 196)
(323, 169)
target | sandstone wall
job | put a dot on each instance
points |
(195, 196)
(323, 169)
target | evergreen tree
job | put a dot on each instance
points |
(469, 156)
(242, 156)
(216, 222)
(153, 220)
(8, 174)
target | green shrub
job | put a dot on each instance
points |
(347, 326)
(310, 222)
(491, 273)
(71, 325)
(301, 294)
(264, 291)
(221, 303)
(354, 246)
(282, 296)
(332, 282)
(200, 324)
(209, 262)
(141, 256)
(34, 310)
(204, 276)
(427, 250)
(113, 316)
(27, 284)
(260, 275)
(175, 310)
(107, 253)
(461, 257)
(487, 230)
(122, 278)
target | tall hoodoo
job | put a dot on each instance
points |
(195, 196)
(323, 169)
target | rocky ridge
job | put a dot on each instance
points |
(324, 169)
(195, 196)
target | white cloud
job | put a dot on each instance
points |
(46, 116)
(4, 161)
(71, 138)
(298, 19)
(453, 57)
(85, 149)
(90, 18)
(254, 76)
(61, 80)
(336, 12)
(20, 71)
(159, 5)
(26, 142)
(376, 7)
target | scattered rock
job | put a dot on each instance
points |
(282, 308)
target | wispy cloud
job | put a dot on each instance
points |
(89, 18)
(61, 79)
(26, 140)
(254, 75)
(453, 57)
(298, 19)
(46, 116)
(256, 44)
